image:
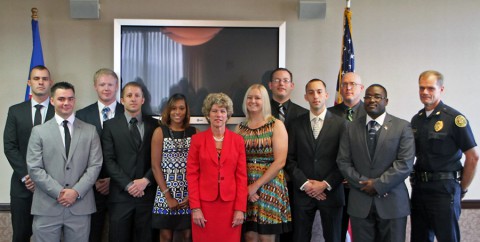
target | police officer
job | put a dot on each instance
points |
(442, 134)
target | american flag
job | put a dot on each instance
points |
(348, 56)
(37, 53)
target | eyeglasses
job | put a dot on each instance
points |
(350, 84)
(284, 81)
(374, 98)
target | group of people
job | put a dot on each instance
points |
(266, 177)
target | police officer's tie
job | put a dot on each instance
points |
(350, 114)
(38, 115)
(281, 112)
(105, 112)
(68, 138)
(137, 138)
(372, 137)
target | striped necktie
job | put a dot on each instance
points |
(281, 112)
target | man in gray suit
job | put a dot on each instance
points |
(376, 159)
(64, 159)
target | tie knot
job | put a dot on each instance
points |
(349, 111)
(133, 121)
(38, 106)
(106, 109)
(372, 124)
(65, 123)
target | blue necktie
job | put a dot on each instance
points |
(105, 112)
(372, 137)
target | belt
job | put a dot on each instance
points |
(423, 176)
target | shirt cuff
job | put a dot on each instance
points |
(128, 186)
(329, 188)
(302, 188)
(24, 179)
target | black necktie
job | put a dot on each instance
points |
(38, 115)
(281, 112)
(68, 138)
(137, 138)
(372, 137)
(350, 114)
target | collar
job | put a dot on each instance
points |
(321, 115)
(44, 103)
(139, 117)
(59, 119)
(112, 106)
(380, 119)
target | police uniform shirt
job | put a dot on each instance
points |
(440, 139)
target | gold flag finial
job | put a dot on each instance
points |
(34, 13)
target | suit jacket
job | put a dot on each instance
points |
(341, 110)
(124, 162)
(293, 111)
(52, 170)
(315, 159)
(91, 115)
(208, 178)
(390, 166)
(15, 141)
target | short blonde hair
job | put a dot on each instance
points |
(221, 99)
(104, 72)
(266, 108)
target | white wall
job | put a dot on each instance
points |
(394, 41)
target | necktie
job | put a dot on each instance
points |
(67, 136)
(137, 138)
(316, 127)
(350, 114)
(105, 112)
(281, 112)
(372, 137)
(38, 115)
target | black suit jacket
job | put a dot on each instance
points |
(293, 111)
(315, 159)
(15, 142)
(124, 162)
(90, 114)
(341, 110)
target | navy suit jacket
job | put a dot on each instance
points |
(315, 159)
(391, 164)
(15, 142)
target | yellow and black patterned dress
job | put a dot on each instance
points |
(271, 213)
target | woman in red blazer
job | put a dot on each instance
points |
(217, 175)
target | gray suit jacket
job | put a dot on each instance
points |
(390, 166)
(52, 171)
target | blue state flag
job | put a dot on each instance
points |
(37, 53)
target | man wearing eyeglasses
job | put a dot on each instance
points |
(350, 109)
(281, 84)
(439, 182)
(376, 156)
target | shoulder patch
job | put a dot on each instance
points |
(461, 121)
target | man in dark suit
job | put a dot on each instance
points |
(376, 159)
(64, 159)
(281, 84)
(20, 120)
(350, 109)
(311, 164)
(105, 82)
(126, 148)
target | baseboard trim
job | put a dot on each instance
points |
(4, 206)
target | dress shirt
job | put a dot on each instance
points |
(43, 111)
(111, 113)
(59, 121)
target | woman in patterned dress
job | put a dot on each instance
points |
(170, 146)
(266, 143)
